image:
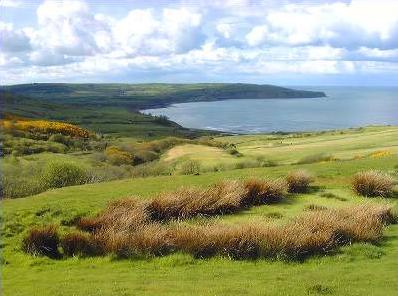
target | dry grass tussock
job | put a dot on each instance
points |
(124, 215)
(221, 198)
(299, 181)
(372, 183)
(42, 241)
(313, 232)
(131, 228)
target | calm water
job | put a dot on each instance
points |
(344, 107)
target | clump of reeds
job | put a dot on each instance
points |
(299, 181)
(372, 183)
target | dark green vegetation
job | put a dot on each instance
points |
(111, 119)
(145, 96)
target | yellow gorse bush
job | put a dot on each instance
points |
(45, 126)
(380, 153)
(117, 156)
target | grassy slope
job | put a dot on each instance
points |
(110, 120)
(289, 149)
(347, 272)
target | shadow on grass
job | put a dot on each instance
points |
(394, 194)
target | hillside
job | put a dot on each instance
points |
(112, 119)
(143, 96)
(178, 273)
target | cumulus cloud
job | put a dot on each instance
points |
(174, 31)
(13, 40)
(68, 27)
(208, 37)
(352, 25)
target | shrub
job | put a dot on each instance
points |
(60, 138)
(316, 158)
(61, 174)
(372, 183)
(15, 187)
(233, 151)
(152, 169)
(78, 244)
(190, 167)
(116, 156)
(42, 241)
(299, 181)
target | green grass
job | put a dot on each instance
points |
(345, 272)
(369, 142)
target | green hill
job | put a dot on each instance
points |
(142, 96)
(343, 272)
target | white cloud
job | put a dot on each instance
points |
(217, 37)
(352, 25)
(11, 3)
(257, 36)
(174, 31)
(13, 40)
(68, 28)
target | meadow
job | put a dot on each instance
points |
(344, 271)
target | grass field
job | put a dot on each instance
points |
(341, 145)
(359, 269)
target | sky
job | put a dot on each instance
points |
(282, 42)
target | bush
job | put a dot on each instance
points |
(190, 167)
(233, 151)
(372, 183)
(61, 174)
(316, 158)
(299, 181)
(42, 241)
(14, 187)
(60, 138)
(152, 169)
(116, 156)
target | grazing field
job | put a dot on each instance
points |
(345, 271)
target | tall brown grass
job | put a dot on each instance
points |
(42, 241)
(372, 183)
(265, 191)
(79, 244)
(221, 198)
(299, 181)
(315, 232)
(125, 215)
